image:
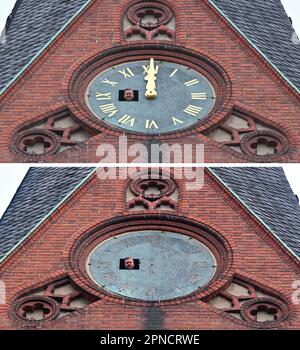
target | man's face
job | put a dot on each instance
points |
(129, 264)
(128, 94)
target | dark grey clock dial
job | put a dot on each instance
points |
(180, 97)
(168, 265)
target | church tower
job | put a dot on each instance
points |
(153, 246)
(80, 252)
(78, 74)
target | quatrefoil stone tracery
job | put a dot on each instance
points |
(149, 19)
(31, 138)
(143, 188)
(152, 194)
(25, 308)
(271, 307)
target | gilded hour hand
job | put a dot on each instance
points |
(151, 78)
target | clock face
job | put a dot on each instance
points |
(150, 97)
(167, 265)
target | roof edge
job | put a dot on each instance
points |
(255, 47)
(44, 48)
(47, 215)
(256, 216)
(13, 197)
(283, 76)
(11, 15)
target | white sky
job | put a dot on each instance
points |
(12, 175)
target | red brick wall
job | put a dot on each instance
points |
(256, 85)
(256, 254)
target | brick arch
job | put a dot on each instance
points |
(79, 75)
(80, 245)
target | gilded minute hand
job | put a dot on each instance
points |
(150, 78)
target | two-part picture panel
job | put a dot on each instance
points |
(149, 165)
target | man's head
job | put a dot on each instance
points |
(128, 94)
(129, 263)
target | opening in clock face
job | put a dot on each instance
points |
(150, 97)
(164, 265)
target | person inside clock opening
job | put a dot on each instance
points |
(128, 94)
(129, 263)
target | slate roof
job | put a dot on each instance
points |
(30, 26)
(41, 190)
(269, 28)
(265, 191)
(33, 23)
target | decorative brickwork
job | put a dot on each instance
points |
(95, 41)
(149, 21)
(268, 312)
(80, 76)
(251, 136)
(35, 309)
(153, 194)
(55, 299)
(251, 264)
(82, 247)
(36, 142)
(49, 134)
(255, 305)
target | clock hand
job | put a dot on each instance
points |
(150, 78)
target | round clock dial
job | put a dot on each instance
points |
(150, 97)
(167, 265)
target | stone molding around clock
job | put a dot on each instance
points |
(79, 250)
(80, 75)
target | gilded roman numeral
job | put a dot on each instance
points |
(127, 119)
(151, 124)
(173, 73)
(199, 96)
(112, 83)
(193, 110)
(192, 82)
(176, 121)
(126, 72)
(146, 69)
(109, 109)
(103, 96)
